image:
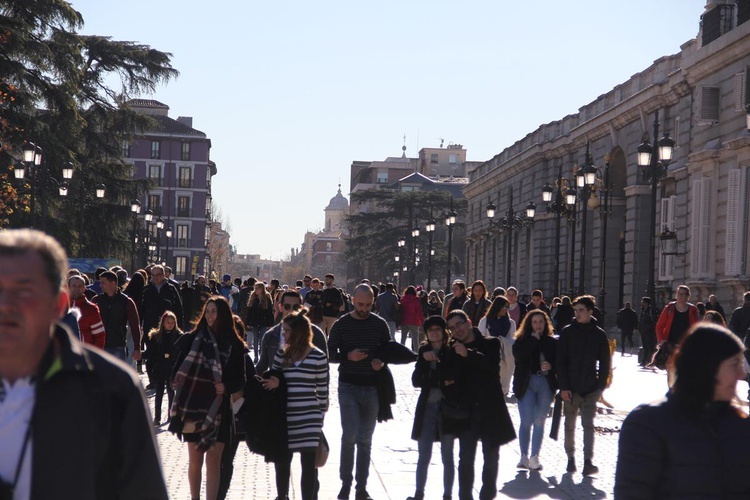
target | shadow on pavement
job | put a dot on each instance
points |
(530, 484)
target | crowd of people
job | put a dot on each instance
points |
(245, 361)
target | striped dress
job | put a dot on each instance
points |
(307, 398)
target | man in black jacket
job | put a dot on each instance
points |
(583, 363)
(160, 296)
(489, 420)
(627, 322)
(647, 328)
(118, 312)
(80, 425)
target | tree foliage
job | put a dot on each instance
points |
(56, 92)
(386, 216)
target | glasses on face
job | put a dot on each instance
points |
(296, 307)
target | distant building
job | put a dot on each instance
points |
(435, 169)
(247, 265)
(323, 252)
(175, 157)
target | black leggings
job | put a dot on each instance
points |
(159, 397)
(309, 480)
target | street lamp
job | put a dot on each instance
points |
(67, 171)
(159, 227)
(509, 223)
(585, 178)
(450, 221)
(564, 200)
(135, 209)
(415, 259)
(430, 228)
(654, 162)
(401, 244)
(168, 233)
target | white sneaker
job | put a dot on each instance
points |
(523, 463)
(534, 463)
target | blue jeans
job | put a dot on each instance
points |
(118, 352)
(467, 451)
(430, 428)
(392, 328)
(359, 411)
(533, 408)
(258, 332)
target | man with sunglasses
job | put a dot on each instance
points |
(291, 301)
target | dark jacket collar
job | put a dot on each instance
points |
(64, 354)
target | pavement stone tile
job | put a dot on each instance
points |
(394, 454)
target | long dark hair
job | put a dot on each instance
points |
(524, 330)
(300, 339)
(494, 310)
(696, 362)
(224, 326)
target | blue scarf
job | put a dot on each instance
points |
(499, 327)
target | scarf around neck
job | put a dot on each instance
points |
(195, 396)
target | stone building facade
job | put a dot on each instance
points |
(175, 157)
(700, 95)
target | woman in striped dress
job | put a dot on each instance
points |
(305, 370)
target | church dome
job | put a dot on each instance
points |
(338, 202)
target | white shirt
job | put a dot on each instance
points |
(15, 417)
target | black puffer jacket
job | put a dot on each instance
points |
(667, 453)
(580, 347)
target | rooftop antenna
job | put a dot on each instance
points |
(403, 148)
(441, 141)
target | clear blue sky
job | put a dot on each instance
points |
(290, 93)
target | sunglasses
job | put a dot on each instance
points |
(296, 307)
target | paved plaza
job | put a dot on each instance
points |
(394, 454)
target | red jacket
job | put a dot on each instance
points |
(411, 310)
(90, 322)
(664, 324)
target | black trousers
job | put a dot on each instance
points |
(626, 335)
(309, 480)
(159, 397)
(226, 469)
(648, 339)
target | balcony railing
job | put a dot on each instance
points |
(185, 183)
(184, 212)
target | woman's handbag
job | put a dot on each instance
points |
(454, 411)
(321, 454)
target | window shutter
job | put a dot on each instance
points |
(700, 225)
(666, 262)
(743, 11)
(747, 84)
(705, 221)
(710, 104)
(739, 91)
(732, 256)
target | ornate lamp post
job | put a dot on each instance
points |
(168, 234)
(159, 227)
(654, 162)
(585, 179)
(510, 222)
(135, 209)
(450, 221)
(401, 244)
(415, 258)
(430, 228)
(560, 208)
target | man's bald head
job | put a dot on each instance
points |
(362, 301)
(364, 289)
